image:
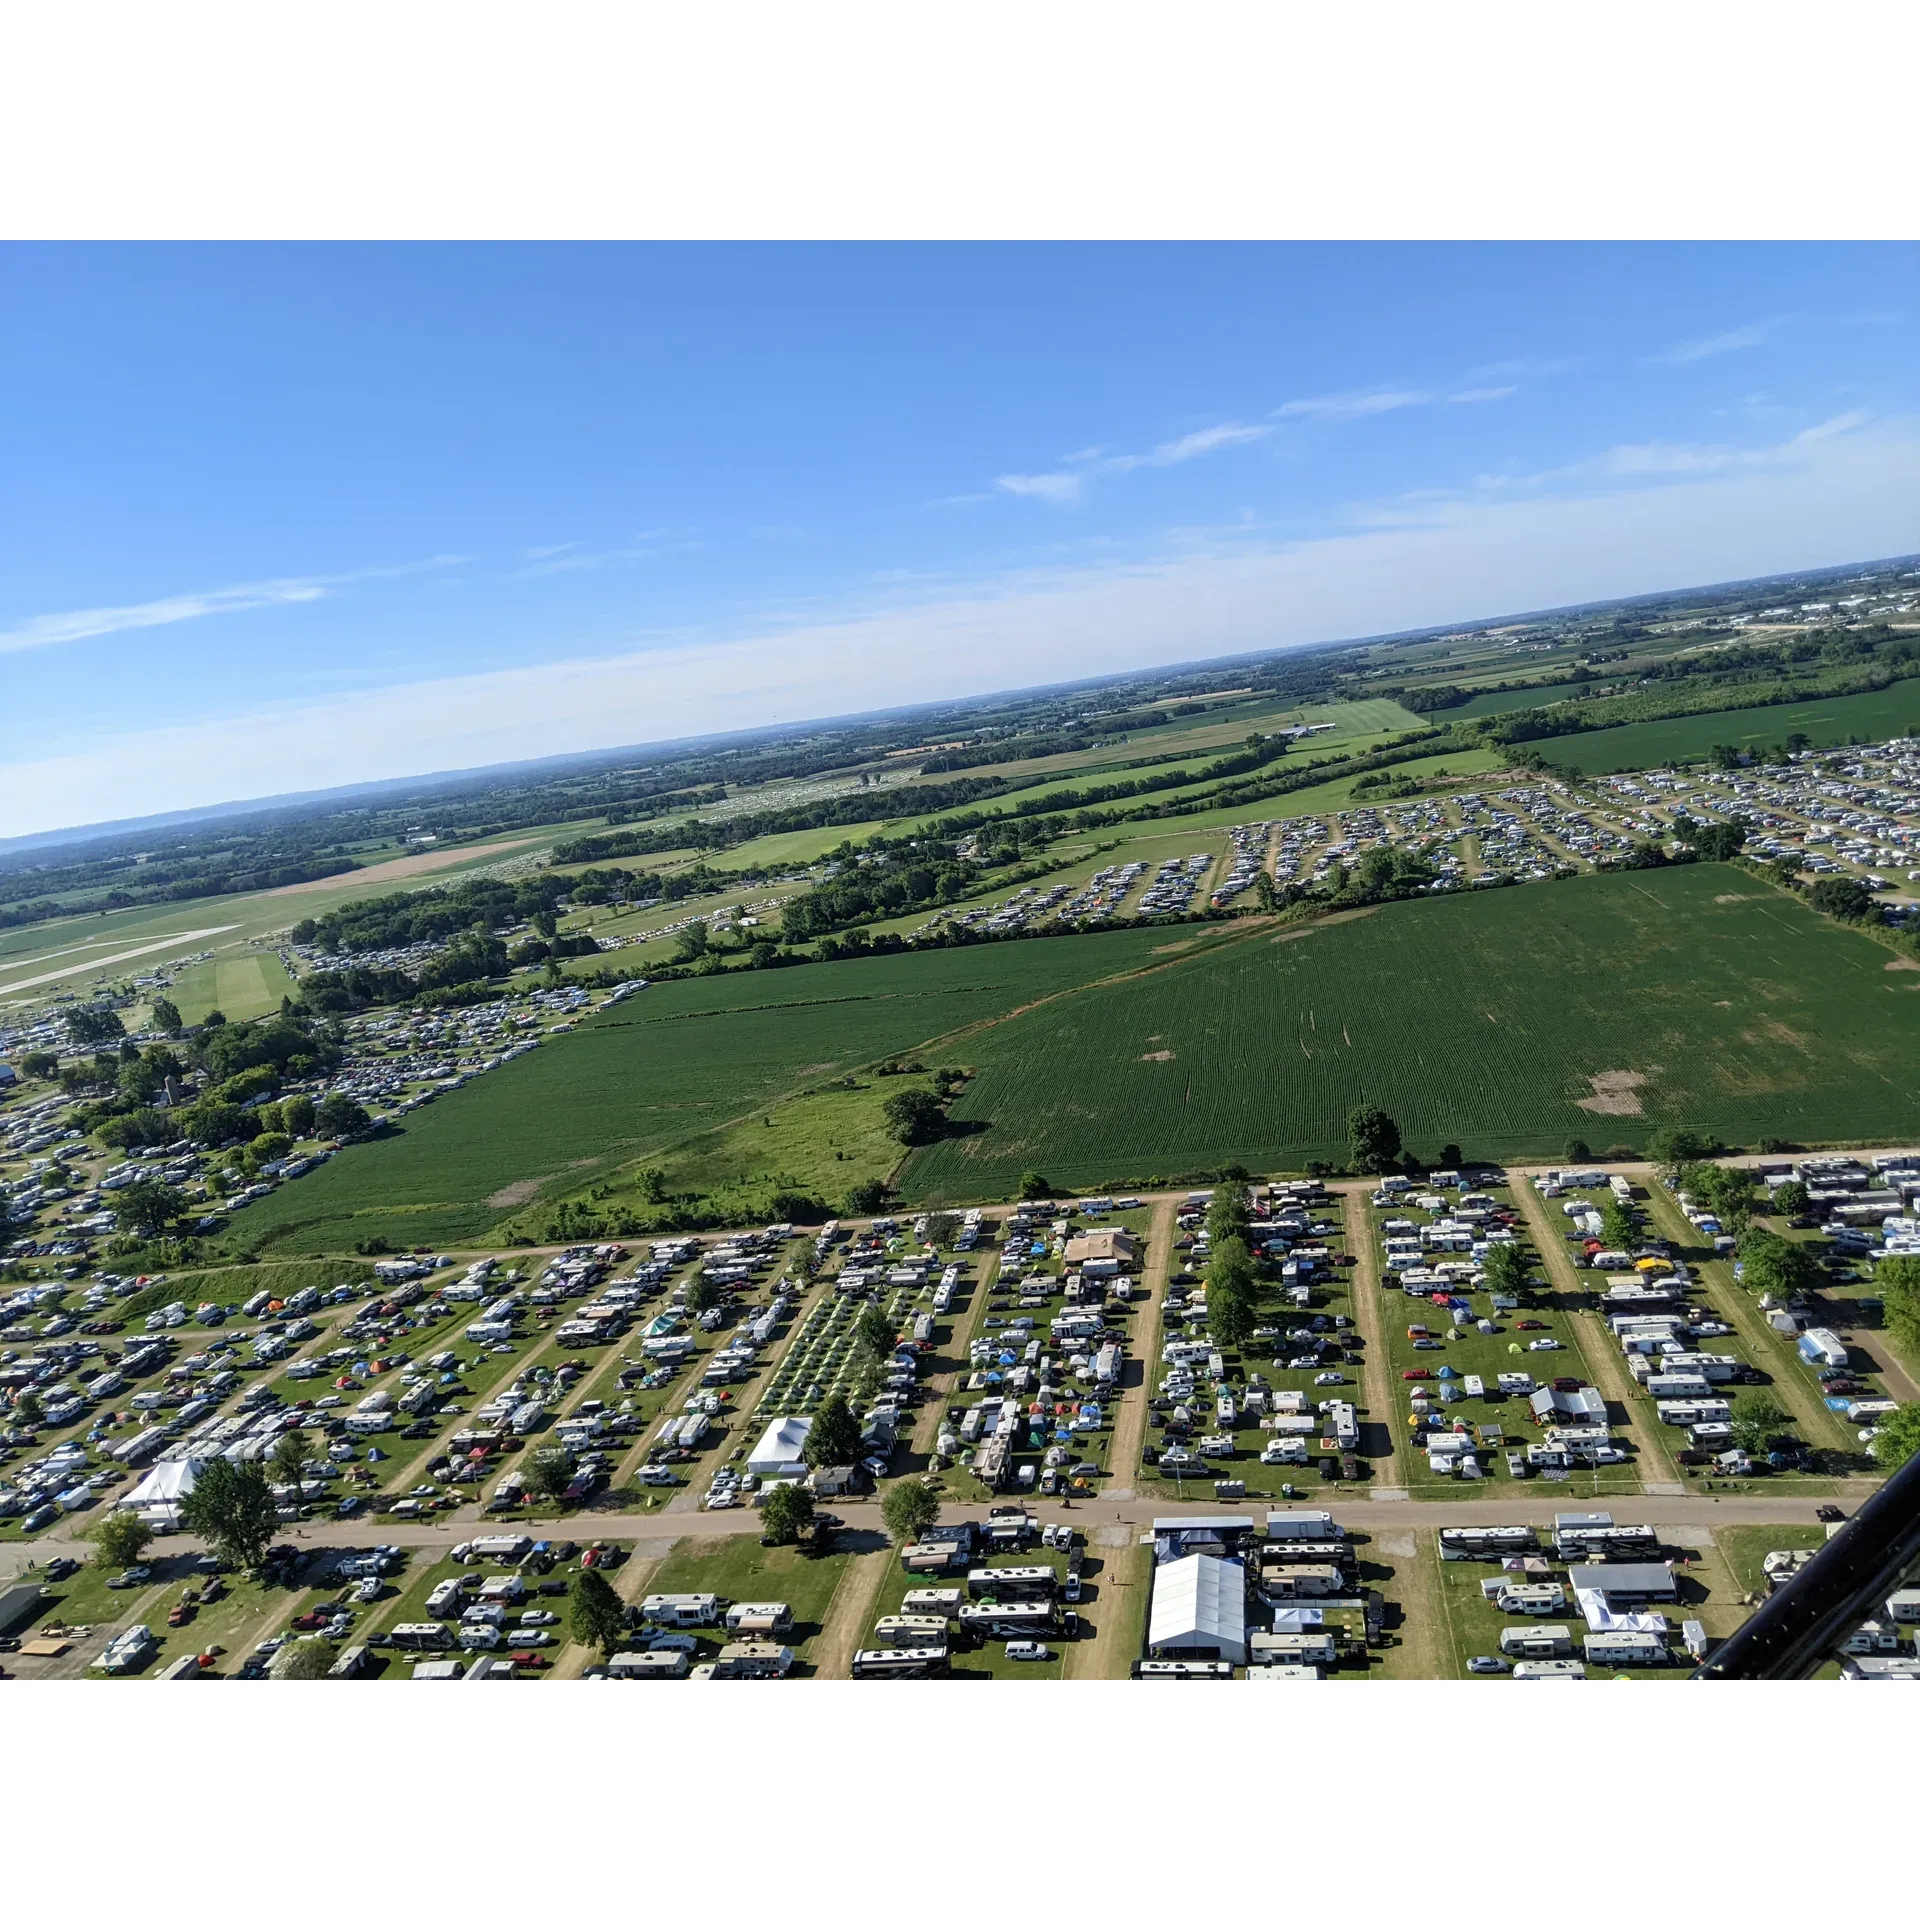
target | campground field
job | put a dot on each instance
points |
(1503, 1022)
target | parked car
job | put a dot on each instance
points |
(1487, 1663)
(1028, 1650)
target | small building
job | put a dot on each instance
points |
(1105, 1243)
(1630, 1583)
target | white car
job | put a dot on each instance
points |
(539, 1617)
(1028, 1650)
(1543, 1346)
(529, 1637)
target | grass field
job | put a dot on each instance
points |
(1652, 743)
(656, 1071)
(243, 988)
(1479, 1019)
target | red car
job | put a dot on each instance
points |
(1529, 1326)
(1416, 1373)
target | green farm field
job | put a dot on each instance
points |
(1478, 1019)
(657, 1071)
(1652, 743)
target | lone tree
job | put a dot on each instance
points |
(598, 1615)
(834, 1438)
(874, 1331)
(1505, 1269)
(340, 1113)
(310, 1659)
(909, 1510)
(942, 1229)
(1789, 1199)
(1770, 1264)
(1035, 1186)
(1758, 1420)
(119, 1540)
(786, 1514)
(146, 1208)
(1373, 1138)
(292, 1453)
(701, 1292)
(232, 1508)
(166, 1016)
(1674, 1149)
(914, 1117)
(547, 1473)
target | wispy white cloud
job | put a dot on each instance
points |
(1478, 396)
(93, 623)
(571, 557)
(1676, 457)
(1349, 406)
(1734, 340)
(1064, 488)
(1060, 488)
(1190, 446)
(1835, 493)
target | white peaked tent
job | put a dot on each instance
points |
(778, 1453)
(157, 1498)
(1199, 1609)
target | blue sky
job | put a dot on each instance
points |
(279, 517)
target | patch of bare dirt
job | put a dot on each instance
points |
(404, 868)
(1163, 1053)
(1727, 899)
(1615, 1092)
(516, 1195)
(1903, 965)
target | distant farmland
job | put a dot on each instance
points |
(658, 1070)
(1696, 994)
(1652, 743)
